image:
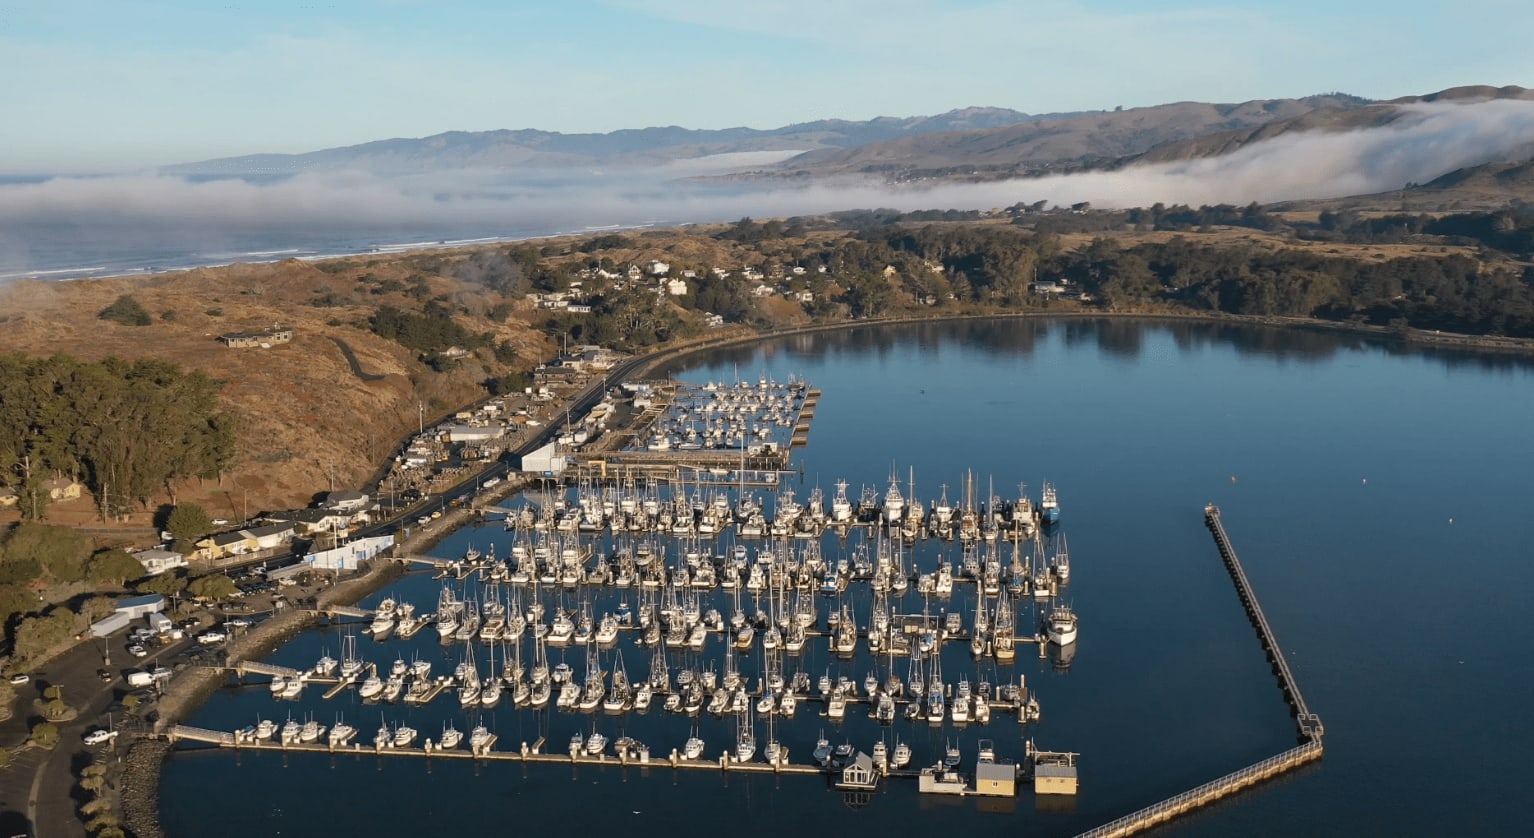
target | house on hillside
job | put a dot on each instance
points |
(61, 489)
(270, 536)
(225, 544)
(345, 500)
(316, 520)
(157, 561)
(263, 338)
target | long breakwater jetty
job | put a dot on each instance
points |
(1309, 724)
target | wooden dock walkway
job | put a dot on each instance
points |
(1310, 728)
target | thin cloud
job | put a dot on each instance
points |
(168, 213)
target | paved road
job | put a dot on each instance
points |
(36, 788)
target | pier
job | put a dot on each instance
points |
(1309, 724)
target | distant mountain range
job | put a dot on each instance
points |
(533, 149)
(968, 144)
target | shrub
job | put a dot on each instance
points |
(127, 311)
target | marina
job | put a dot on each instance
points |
(736, 606)
(1162, 644)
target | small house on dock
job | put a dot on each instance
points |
(858, 773)
(997, 779)
(1054, 773)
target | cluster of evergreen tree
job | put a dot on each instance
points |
(1452, 293)
(433, 329)
(127, 429)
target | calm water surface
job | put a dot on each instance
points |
(1379, 498)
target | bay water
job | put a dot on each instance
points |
(1378, 496)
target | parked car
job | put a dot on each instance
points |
(20, 678)
(208, 638)
(137, 651)
(100, 737)
(105, 675)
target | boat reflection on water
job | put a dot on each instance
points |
(1060, 657)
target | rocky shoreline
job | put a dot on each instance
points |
(140, 787)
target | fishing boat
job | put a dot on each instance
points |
(694, 747)
(836, 706)
(326, 666)
(291, 730)
(451, 737)
(596, 743)
(959, 710)
(479, 738)
(372, 687)
(384, 738)
(448, 609)
(404, 736)
(894, 503)
(822, 752)
(1062, 562)
(340, 734)
(901, 756)
(311, 731)
(1061, 625)
(1049, 504)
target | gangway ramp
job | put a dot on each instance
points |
(244, 668)
(201, 734)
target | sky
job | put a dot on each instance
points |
(118, 85)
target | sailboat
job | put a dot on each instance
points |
(935, 701)
(745, 743)
(774, 751)
(469, 684)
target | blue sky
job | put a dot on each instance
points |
(118, 84)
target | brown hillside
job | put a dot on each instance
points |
(303, 413)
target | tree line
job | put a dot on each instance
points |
(127, 430)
